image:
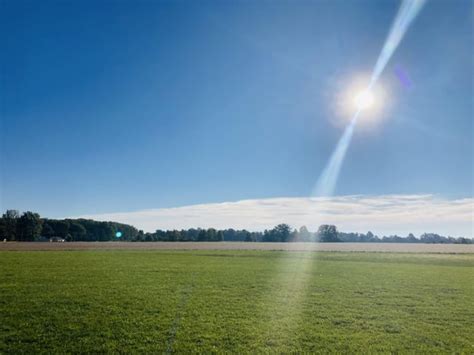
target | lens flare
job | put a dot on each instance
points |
(294, 275)
(408, 11)
(327, 181)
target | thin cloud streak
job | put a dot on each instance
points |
(383, 215)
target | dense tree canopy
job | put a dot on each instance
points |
(30, 226)
(328, 234)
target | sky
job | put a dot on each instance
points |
(126, 106)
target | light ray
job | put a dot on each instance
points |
(408, 11)
(297, 279)
(327, 181)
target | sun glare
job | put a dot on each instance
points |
(353, 96)
(364, 100)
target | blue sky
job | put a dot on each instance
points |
(114, 106)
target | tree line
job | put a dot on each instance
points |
(29, 226)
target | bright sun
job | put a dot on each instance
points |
(364, 100)
(370, 102)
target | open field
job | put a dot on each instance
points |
(236, 301)
(357, 247)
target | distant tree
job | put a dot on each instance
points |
(60, 227)
(104, 231)
(29, 226)
(304, 235)
(368, 237)
(46, 230)
(175, 236)
(76, 231)
(10, 218)
(3, 234)
(432, 238)
(140, 236)
(411, 238)
(283, 231)
(393, 239)
(328, 233)
(192, 234)
(249, 237)
(267, 237)
(294, 236)
(159, 235)
(12, 214)
(202, 236)
(211, 235)
(231, 235)
(280, 233)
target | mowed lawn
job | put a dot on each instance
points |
(235, 301)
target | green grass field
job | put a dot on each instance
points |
(235, 301)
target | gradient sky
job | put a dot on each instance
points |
(114, 106)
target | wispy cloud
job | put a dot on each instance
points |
(383, 215)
